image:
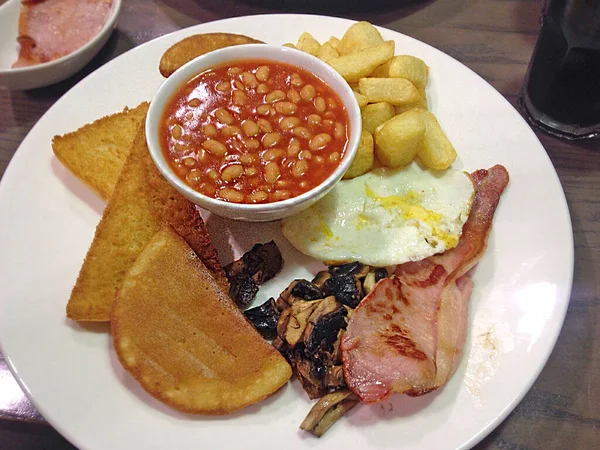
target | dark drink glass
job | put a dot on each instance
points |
(561, 92)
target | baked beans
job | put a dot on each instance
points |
(254, 132)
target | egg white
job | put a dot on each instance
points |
(385, 217)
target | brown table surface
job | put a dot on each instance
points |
(495, 38)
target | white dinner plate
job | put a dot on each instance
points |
(47, 221)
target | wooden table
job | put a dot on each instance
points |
(495, 38)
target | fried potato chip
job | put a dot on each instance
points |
(383, 71)
(335, 42)
(308, 44)
(397, 140)
(184, 340)
(422, 103)
(436, 151)
(361, 99)
(358, 65)
(363, 161)
(397, 91)
(358, 37)
(410, 67)
(199, 44)
(327, 53)
(289, 45)
(374, 114)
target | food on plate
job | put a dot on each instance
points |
(181, 337)
(254, 131)
(374, 114)
(421, 103)
(308, 44)
(96, 152)
(407, 335)
(405, 66)
(328, 410)
(51, 29)
(327, 52)
(358, 37)
(396, 91)
(355, 66)
(259, 264)
(193, 46)
(142, 203)
(364, 158)
(399, 138)
(385, 217)
(436, 151)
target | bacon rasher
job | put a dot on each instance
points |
(407, 335)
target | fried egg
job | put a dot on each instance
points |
(385, 217)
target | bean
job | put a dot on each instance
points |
(239, 98)
(251, 171)
(319, 142)
(296, 80)
(249, 79)
(189, 161)
(339, 131)
(281, 184)
(230, 130)
(273, 154)
(320, 104)
(193, 176)
(304, 154)
(264, 125)
(302, 132)
(308, 92)
(247, 159)
(300, 168)
(262, 88)
(328, 123)
(280, 195)
(194, 103)
(214, 147)
(262, 73)
(329, 115)
(293, 147)
(294, 96)
(232, 172)
(171, 121)
(263, 110)
(257, 196)
(319, 159)
(209, 130)
(213, 174)
(181, 148)
(271, 139)
(207, 189)
(252, 144)
(223, 86)
(239, 85)
(250, 127)
(231, 195)
(286, 108)
(314, 119)
(289, 122)
(271, 172)
(233, 71)
(254, 181)
(223, 116)
(335, 156)
(177, 132)
(274, 96)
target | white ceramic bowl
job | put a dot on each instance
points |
(51, 72)
(253, 212)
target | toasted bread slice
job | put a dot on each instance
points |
(199, 44)
(96, 152)
(142, 203)
(184, 340)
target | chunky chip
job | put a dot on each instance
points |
(199, 44)
(357, 65)
(363, 161)
(436, 151)
(397, 140)
(184, 340)
(359, 36)
(308, 44)
(410, 67)
(374, 114)
(396, 91)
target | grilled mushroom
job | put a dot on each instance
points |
(323, 326)
(327, 411)
(320, 278)
(307, 290)
(264, 317)
(356, 269)
(299, 314)
(345, 288)
(242, 289)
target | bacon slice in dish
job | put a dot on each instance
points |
(50, 29)
(407, 335)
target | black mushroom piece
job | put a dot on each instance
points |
(259, 264)
(307, 290)
(345, 288)
(321, 332)
(355, 269)
(327, 411)
(264, 317)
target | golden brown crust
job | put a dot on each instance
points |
(142, 203)
(193, 46)
(182, 338)
(96, 152)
